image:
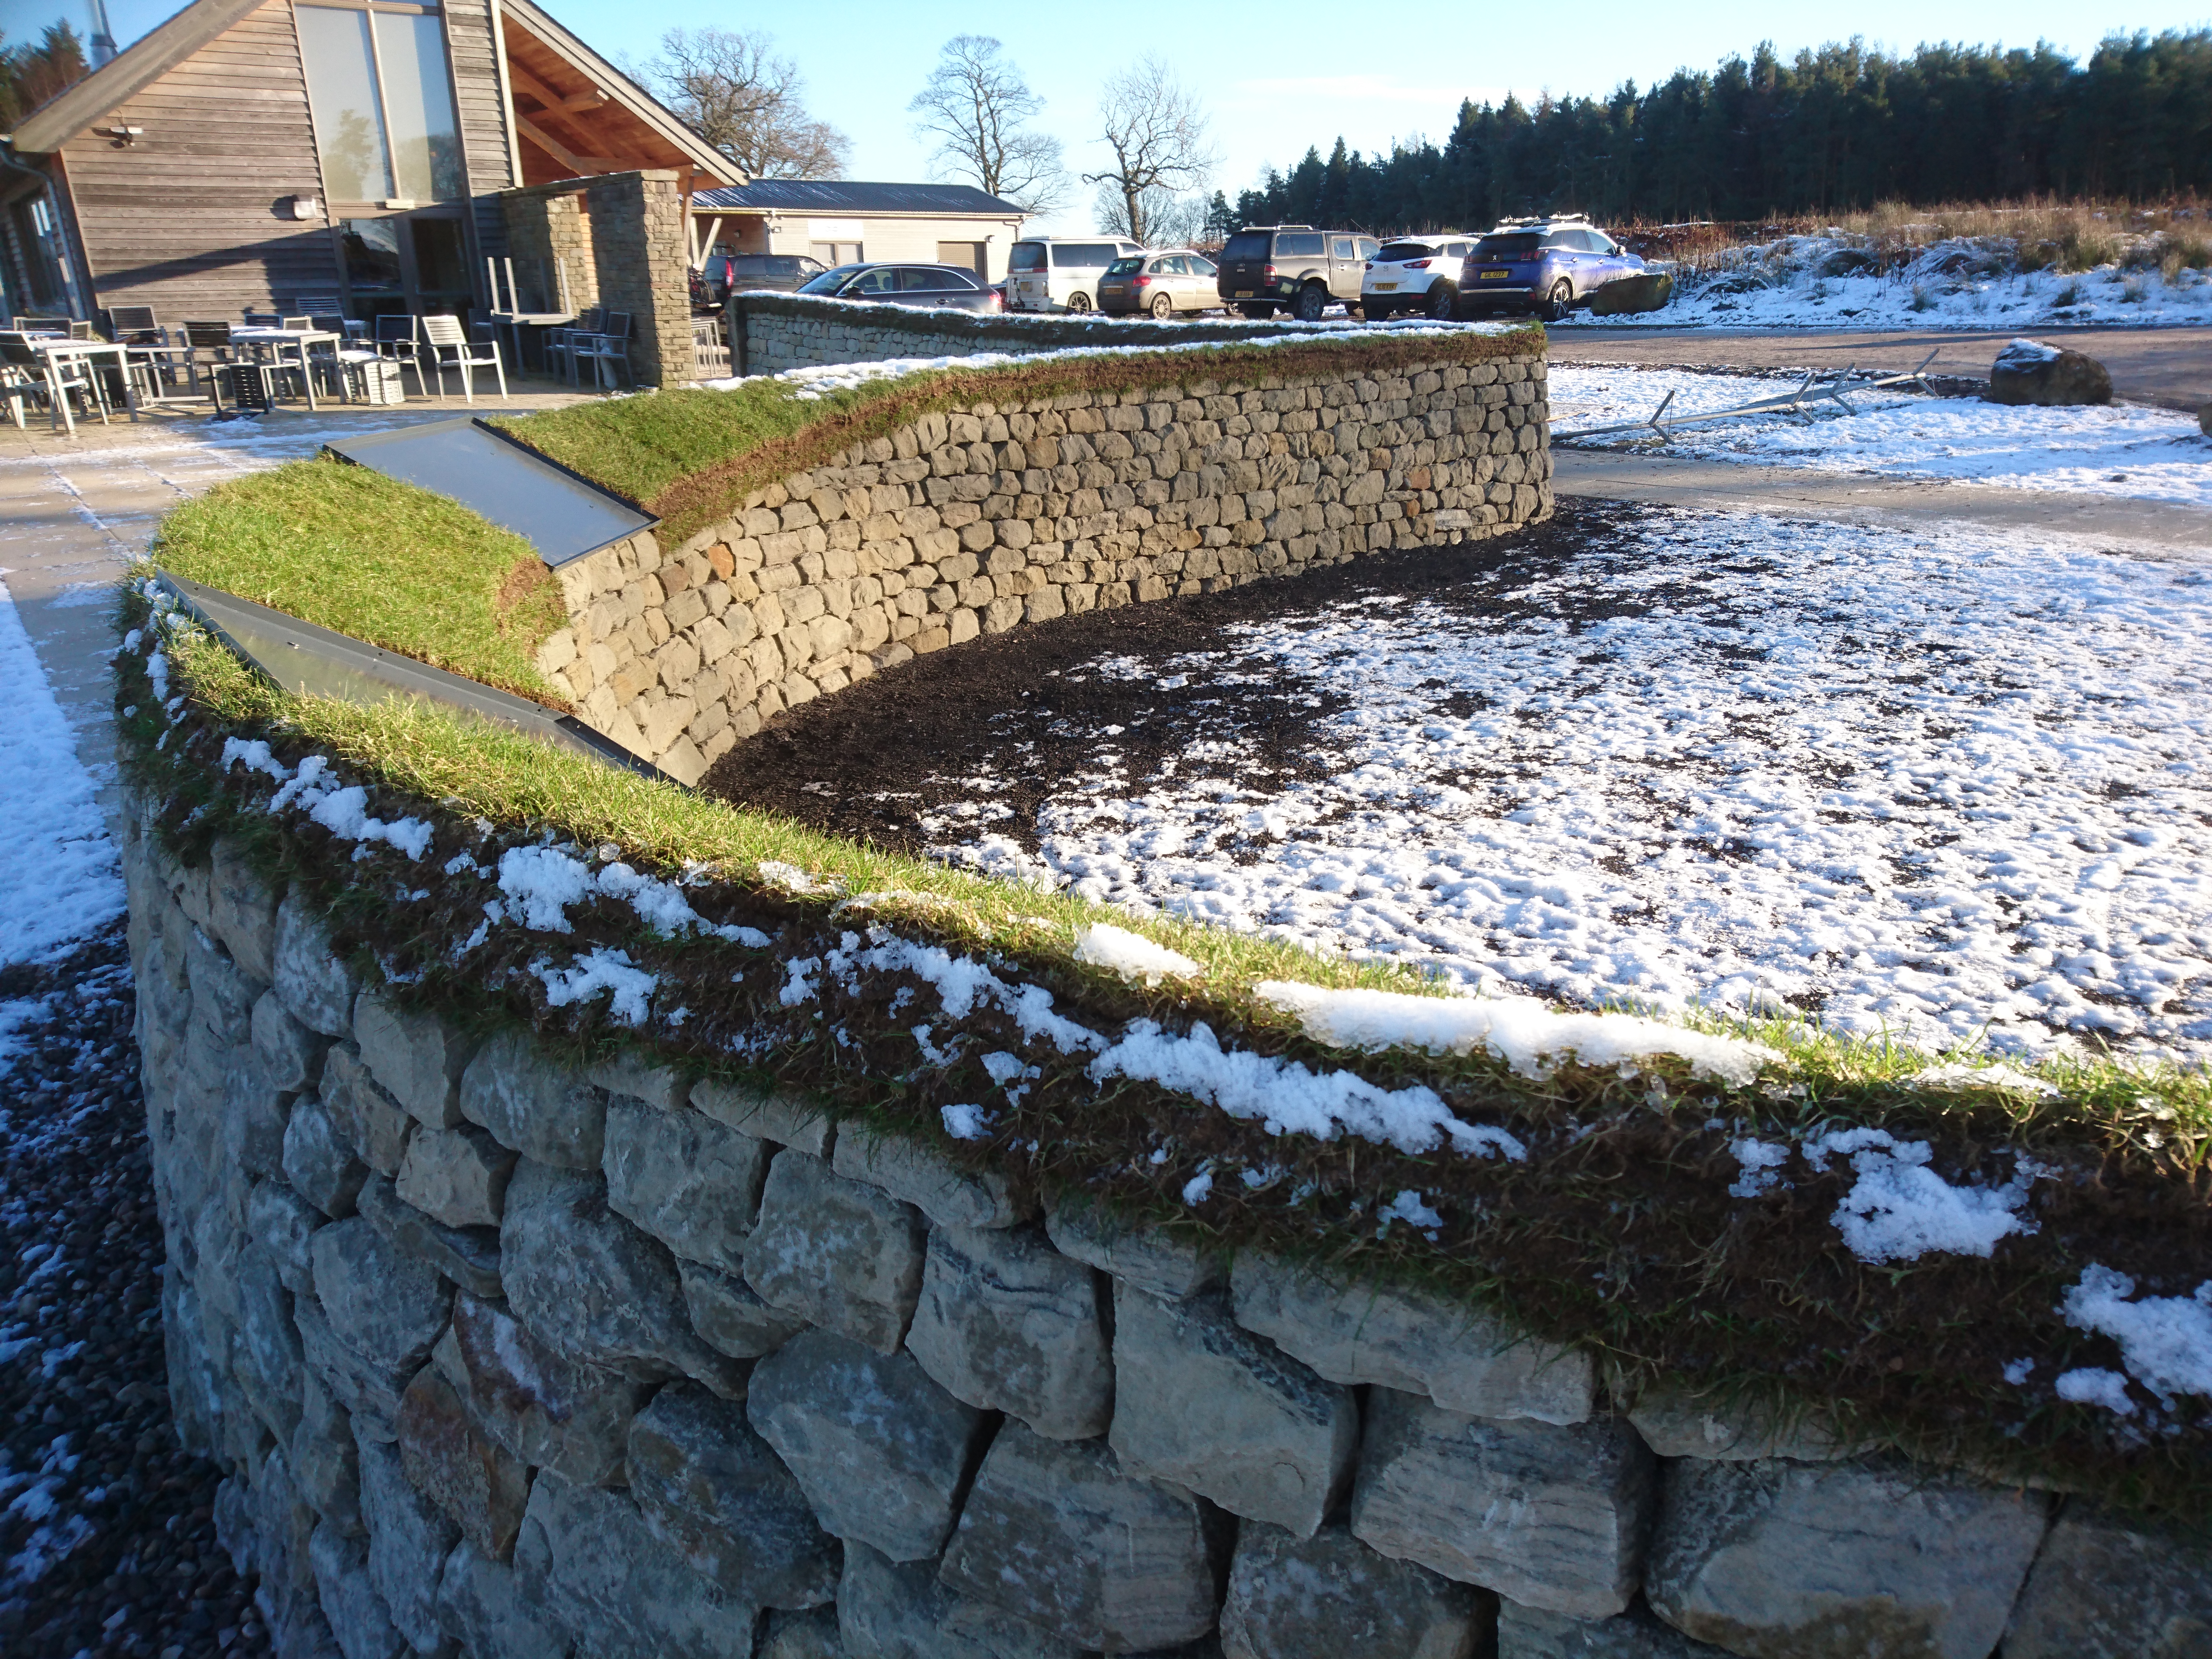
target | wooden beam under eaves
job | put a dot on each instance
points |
(560, 152)
(572, 102)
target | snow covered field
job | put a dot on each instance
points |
(2152, 455)
(1950, 285)
(1944, 785)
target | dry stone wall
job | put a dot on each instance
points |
(971, 522)
(512, 1360)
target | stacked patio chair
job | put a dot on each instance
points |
(444, 336)
(152, 353)
(214, 338)
(42, 325)
(607, 352)
(397, 338)
(561, 343)
(362, 368)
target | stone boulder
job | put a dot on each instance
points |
(545, 1112)
(730, 1316)
(2030, 372)
(409, 1539)
(900, 1610)
(836, 1253)
(2104, 1588)
(2205, 418)
(547, 1410)
(691, 1182)
(1293, 1598)
(1007, 1323)
(483, 1608)
(1776, 1560)
(448, 1458)
(385, 1306)
(1532, 1633)
(1625, 295)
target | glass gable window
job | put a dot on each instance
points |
(382, 104)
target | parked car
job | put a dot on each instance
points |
(1548, 266)
(1416, 274)
(1061, 273)
(1294, 268)
(1181, 279)
(905, 285)
(726, 273)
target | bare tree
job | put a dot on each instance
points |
(1166, 219)
(976, 104)
(745, 101)
(1157, 131)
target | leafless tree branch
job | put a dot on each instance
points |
(976, 104)
(746, 102)
(1157, 129)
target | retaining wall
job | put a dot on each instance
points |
(970, 522)
(506, 1358)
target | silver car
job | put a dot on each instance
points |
(1160, 283)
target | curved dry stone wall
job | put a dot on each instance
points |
(968, 523)
(514, 1361)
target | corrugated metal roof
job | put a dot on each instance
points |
(828, 196)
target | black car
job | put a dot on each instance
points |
(906, 285)
(727, 273)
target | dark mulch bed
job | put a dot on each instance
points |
(84, 1403)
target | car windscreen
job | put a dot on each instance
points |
(1397, 253)
(1026, 256)
(1300, 245)
(1247, 245)
(1125, 267)
(1085, 256)
(831, 281)
(1521, 244)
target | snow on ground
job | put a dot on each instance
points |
(58, 881)
(1943, 784)
(1950, 285)
(2151, 454)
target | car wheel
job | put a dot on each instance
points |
(1257, 313)
(1313, 300)
(1559, 301)
(1162, 307)
(1079, 302)
(1443, 302)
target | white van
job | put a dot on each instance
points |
(1061, 273)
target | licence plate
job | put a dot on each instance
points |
(1243, 293)
(1384, 287)
(1495, 276)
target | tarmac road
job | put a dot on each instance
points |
(2169, 367)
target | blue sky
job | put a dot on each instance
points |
(1279, 77)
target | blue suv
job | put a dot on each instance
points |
(1548, 266)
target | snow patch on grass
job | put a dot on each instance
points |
(1131, 956)
(1899, 1209)
(2165, 1341)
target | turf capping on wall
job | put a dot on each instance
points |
(1616, 1229)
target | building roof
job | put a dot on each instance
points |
(126, 74)
(849, 196)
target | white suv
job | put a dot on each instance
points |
(1416, 273)
(1061, 273)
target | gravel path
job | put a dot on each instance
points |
(106, 1540)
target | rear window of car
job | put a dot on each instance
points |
(1123, 267)
(831, 281)
(1300, 244)
(1521, 244)
(1026, 256)
(1246, 245)
(1398, 252)
(771, 265)
(1083, 255)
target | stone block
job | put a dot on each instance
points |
(1203, 1403)
(416, 1056)
(368, 1393)
(1555, 1517)
(546, 1410)
(730, 1318)
(316, 988)
(1007, 1323)
(546, 1112)
(1153, 1261)
(268, 1352)
(907, 1167)
(588, 1558)
(1299, 1598)
(279, 1221)
(1413, 1343)
(693, 1183)
(371, 1121)
(2107, 1588)
(709, 1488)
(467, 1256)
(1772, 1560)
(596, 1289)
(478, 1484)
(358, 1617)
(255, 1113)
(882, 1452)
(457, 1177)
(784, 1119)
(383, 1304)
(319, 1162)
(657, 1085)
(899, 1610)
(291, 1055)
(222, 994)
(837, 1253)
(324, 1463)
(1675, 1424)
(1532, 1633)
(1054, 1533)
(409, 1539)
(241, 909)
(481, 1605)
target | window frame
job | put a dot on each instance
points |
(406, 8)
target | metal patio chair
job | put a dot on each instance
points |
(607, 352)
(450, 347)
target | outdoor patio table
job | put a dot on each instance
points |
(515, 321)
(56, 347)
(275, 340)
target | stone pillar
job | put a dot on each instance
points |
(637, 245)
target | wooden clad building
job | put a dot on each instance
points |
(253, 154)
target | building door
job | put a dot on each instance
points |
(969, 256)
(836, 253)
(414, 262)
